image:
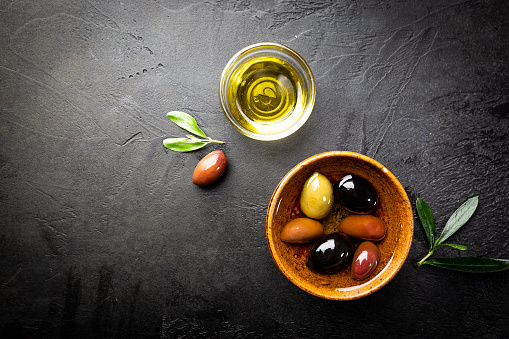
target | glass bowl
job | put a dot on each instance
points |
(267, 91)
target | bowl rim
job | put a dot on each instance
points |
(228, 69)
(396, 262)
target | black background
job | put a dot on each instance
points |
(102, 233)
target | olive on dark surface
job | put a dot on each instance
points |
(331, 253)
(210, 168)
(356, 194)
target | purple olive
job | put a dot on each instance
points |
(365, 260)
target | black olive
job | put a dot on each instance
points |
(356, 194)
(330, 253)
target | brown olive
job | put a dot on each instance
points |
(363, 226)
(331, 253)
(301, 230)
(210, 168)
(356, 194)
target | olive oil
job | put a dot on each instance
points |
(267, 91)
(266, 95)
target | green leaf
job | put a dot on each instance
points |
(471, 265)
(186, 122)
(456, 246)
(183, 144)
(458, 218)
(427, 220)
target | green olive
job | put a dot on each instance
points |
(317, 197)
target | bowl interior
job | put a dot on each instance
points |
(394, 209)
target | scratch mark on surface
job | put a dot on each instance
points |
(52, 135)
(122, 183)
(36, 21)
(173, 10)
(439, 10)
(108, 18)
(40, 191)
(67, 87)
(133, 138)
(129, 106)
(61, 96)
(297, 11)
(251, 206)
(413, 50)
(53, 276)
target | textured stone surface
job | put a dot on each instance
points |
(102, 233)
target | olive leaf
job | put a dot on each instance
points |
(459, 218)
(182, 144)
(455, 222)
(471, 265)
(186, 122)
(427, 220)
(456, 246)
(191, 143)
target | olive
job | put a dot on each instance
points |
(356, 194)
(302, 230)
(210, 168)
(363, 226)
(330, 253)
(317, 197)
(365, 260)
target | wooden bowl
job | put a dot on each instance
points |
(394, 209)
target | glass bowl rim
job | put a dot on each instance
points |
(293, 56)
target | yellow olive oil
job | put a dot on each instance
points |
(267, 95)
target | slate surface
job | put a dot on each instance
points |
(102, 233)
